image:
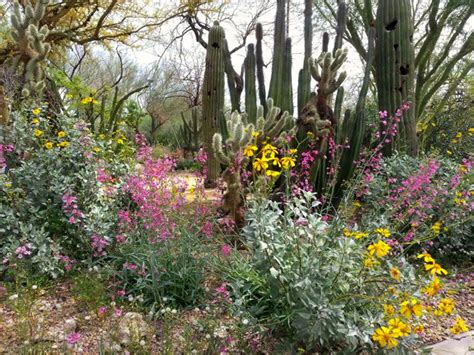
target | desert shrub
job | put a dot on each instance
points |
(50, 186)
(426, 202)
(327, 287)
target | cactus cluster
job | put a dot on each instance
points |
(273, 126)
(31, 48)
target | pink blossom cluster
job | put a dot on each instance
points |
(99, 244)
(68, 262)
(23, 251)
(5, 148)
(71, 208)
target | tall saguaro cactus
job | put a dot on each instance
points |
(262, 94)
(213, 96)
(304, 76)
(31, 49)
(250, 89)
(395, 67)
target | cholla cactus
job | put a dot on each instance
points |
(326, 76)
(272, 127)
(32, 50)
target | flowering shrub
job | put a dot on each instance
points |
(426, 203)
(324, 285)
(48, 190)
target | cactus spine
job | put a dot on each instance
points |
(250, 89)
(213, 96)
(32, 51)
(395, 66)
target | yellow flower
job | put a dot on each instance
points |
(449, 152)
(277, 162)
(446, 305)
(383, 232)
(287, 162)
(409, 308)
(260, 164)
(436, 228)
(459, 135)
(460, 326)
(419, 329)
(389, 310)
(370, 262)
(310, 134)
(399, 328)
(63, 144)
(35, 121)
(273, 173)
(119, 141)
(38, 133)
(36, 111)
(427, 258)
(101, 136)
(357, 204)
(97, 149)
(48, 145)
(360, 235)
(69, 96)
(255, 134)
(89, 100)
(470, 131)
(434, 287)
(385, 337)
(293, 151)
(395, 273)
(61, 134)
(380, 248)
(269, 151)
(435, 269)
(250, 150)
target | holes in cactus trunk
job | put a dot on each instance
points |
(215, 45)
(395, 46)
(405, 69)
(392, 25)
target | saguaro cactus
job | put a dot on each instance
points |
(250, 89)
(304, 76)
(32, 50)
(395, 68)
(262, 94)
(213, 96)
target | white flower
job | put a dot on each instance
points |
(245, 321)
(13, 297)
(174, 311)
(34, 287)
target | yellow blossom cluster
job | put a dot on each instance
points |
(267, 160)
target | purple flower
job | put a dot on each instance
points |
(73, 338)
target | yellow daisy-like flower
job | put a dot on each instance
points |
(273, 173)
(409, 308)
(383, 232)
(260, 164)
(419, 329)
(399, 328)
(249, 151)
(395, 273)
(434, 287)
(389, 310)
(97, 150)
(269, 151)
(435, 269)
(427, 258)
(61, 134)
(446, 305)
(357, 204)
(35, 121)
(48, 145)
(293, 151)
(436, 228)
(38, 133)
(360, 235)
(277, 162)
(380, 248)
(255, 134)
(120, 141)
(287, 162)
(385, 337)
(370, 262)
(460, 326)
(36, 111)
(63, 144)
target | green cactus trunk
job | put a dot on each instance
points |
(304, 76)
(234, 80)
(278, 62)
(395, 69)
(213, 97)
(250, 89)
(262, 94)
(286, 85)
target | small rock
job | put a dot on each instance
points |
(70, 325)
